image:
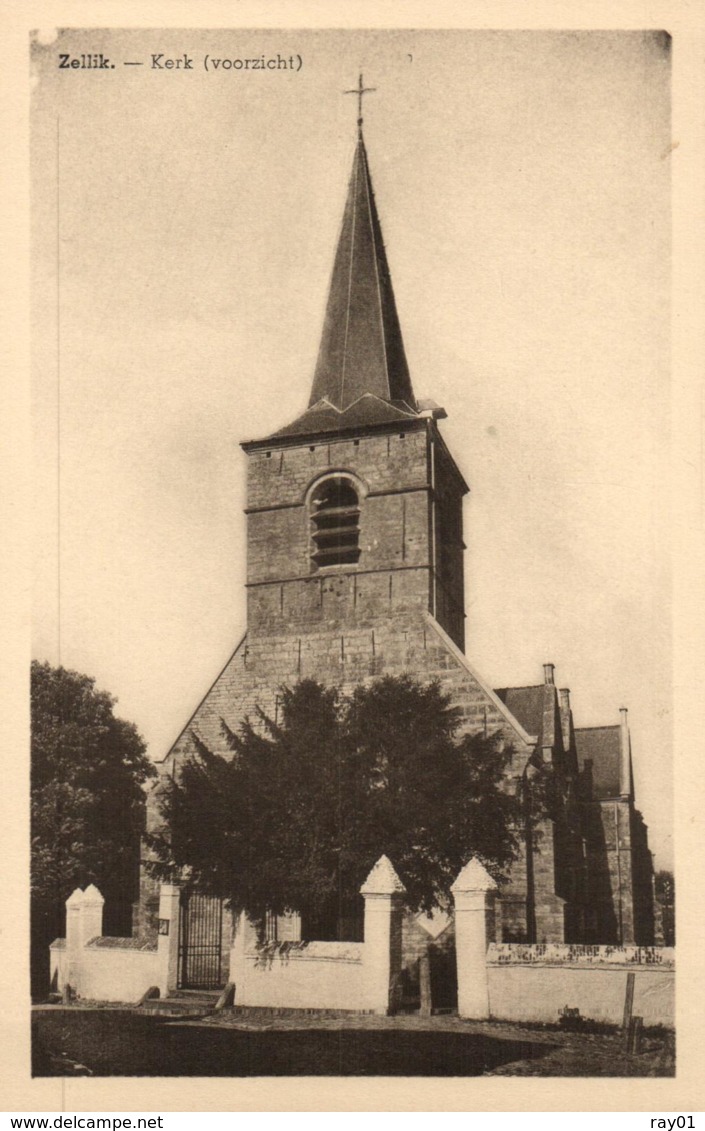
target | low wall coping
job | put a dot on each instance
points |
(314, 951)
(580, 955)
(115, 943)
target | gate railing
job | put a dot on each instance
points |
(200, 942)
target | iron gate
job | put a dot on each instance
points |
(200, 942)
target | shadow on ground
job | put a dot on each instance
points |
(116, 1043)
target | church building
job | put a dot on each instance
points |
(355, 570)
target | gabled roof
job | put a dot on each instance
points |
(526, 704)
(601, 746)
(515, 723)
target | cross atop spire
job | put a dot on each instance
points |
(359, 90)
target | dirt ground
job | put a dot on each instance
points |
(100, 1041)
(554, 1052)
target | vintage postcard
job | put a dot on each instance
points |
(355, 392)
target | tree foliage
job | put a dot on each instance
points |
(665, 892)
(88, 770)
(307, 803)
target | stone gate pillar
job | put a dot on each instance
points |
(383, 893)
(91, 914)
(74, 940)
(168, 938)
(474, 896)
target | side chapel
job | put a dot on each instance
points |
(355, 569)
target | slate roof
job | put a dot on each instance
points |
(361, 376)
(601, 746)
(361, 347)
(526, 704)
(323, 417)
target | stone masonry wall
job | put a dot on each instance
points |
(285, 588)
(347, 625)
(410, 536)
(385, 462)
(260, 665)
(449, 548)
(610, 869)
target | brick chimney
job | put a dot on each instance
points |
(625, 754)
(549, 740)
(564, 697)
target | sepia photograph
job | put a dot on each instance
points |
(352, 669)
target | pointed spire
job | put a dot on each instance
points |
(361, 347)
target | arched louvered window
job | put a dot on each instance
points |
(335, 519)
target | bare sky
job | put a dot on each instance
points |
(522, 180)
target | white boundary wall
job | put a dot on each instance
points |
(521, 982)
(364, 977)
(91, 965)
(510, 982)
(315, 975)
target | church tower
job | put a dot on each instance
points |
(354, 510)
(355, 571)
(354, 530)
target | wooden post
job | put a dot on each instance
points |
(628, 1002)
(635, 1028)
(425, 984)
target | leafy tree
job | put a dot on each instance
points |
(87, 800)
(665, 892)
(307, 803)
